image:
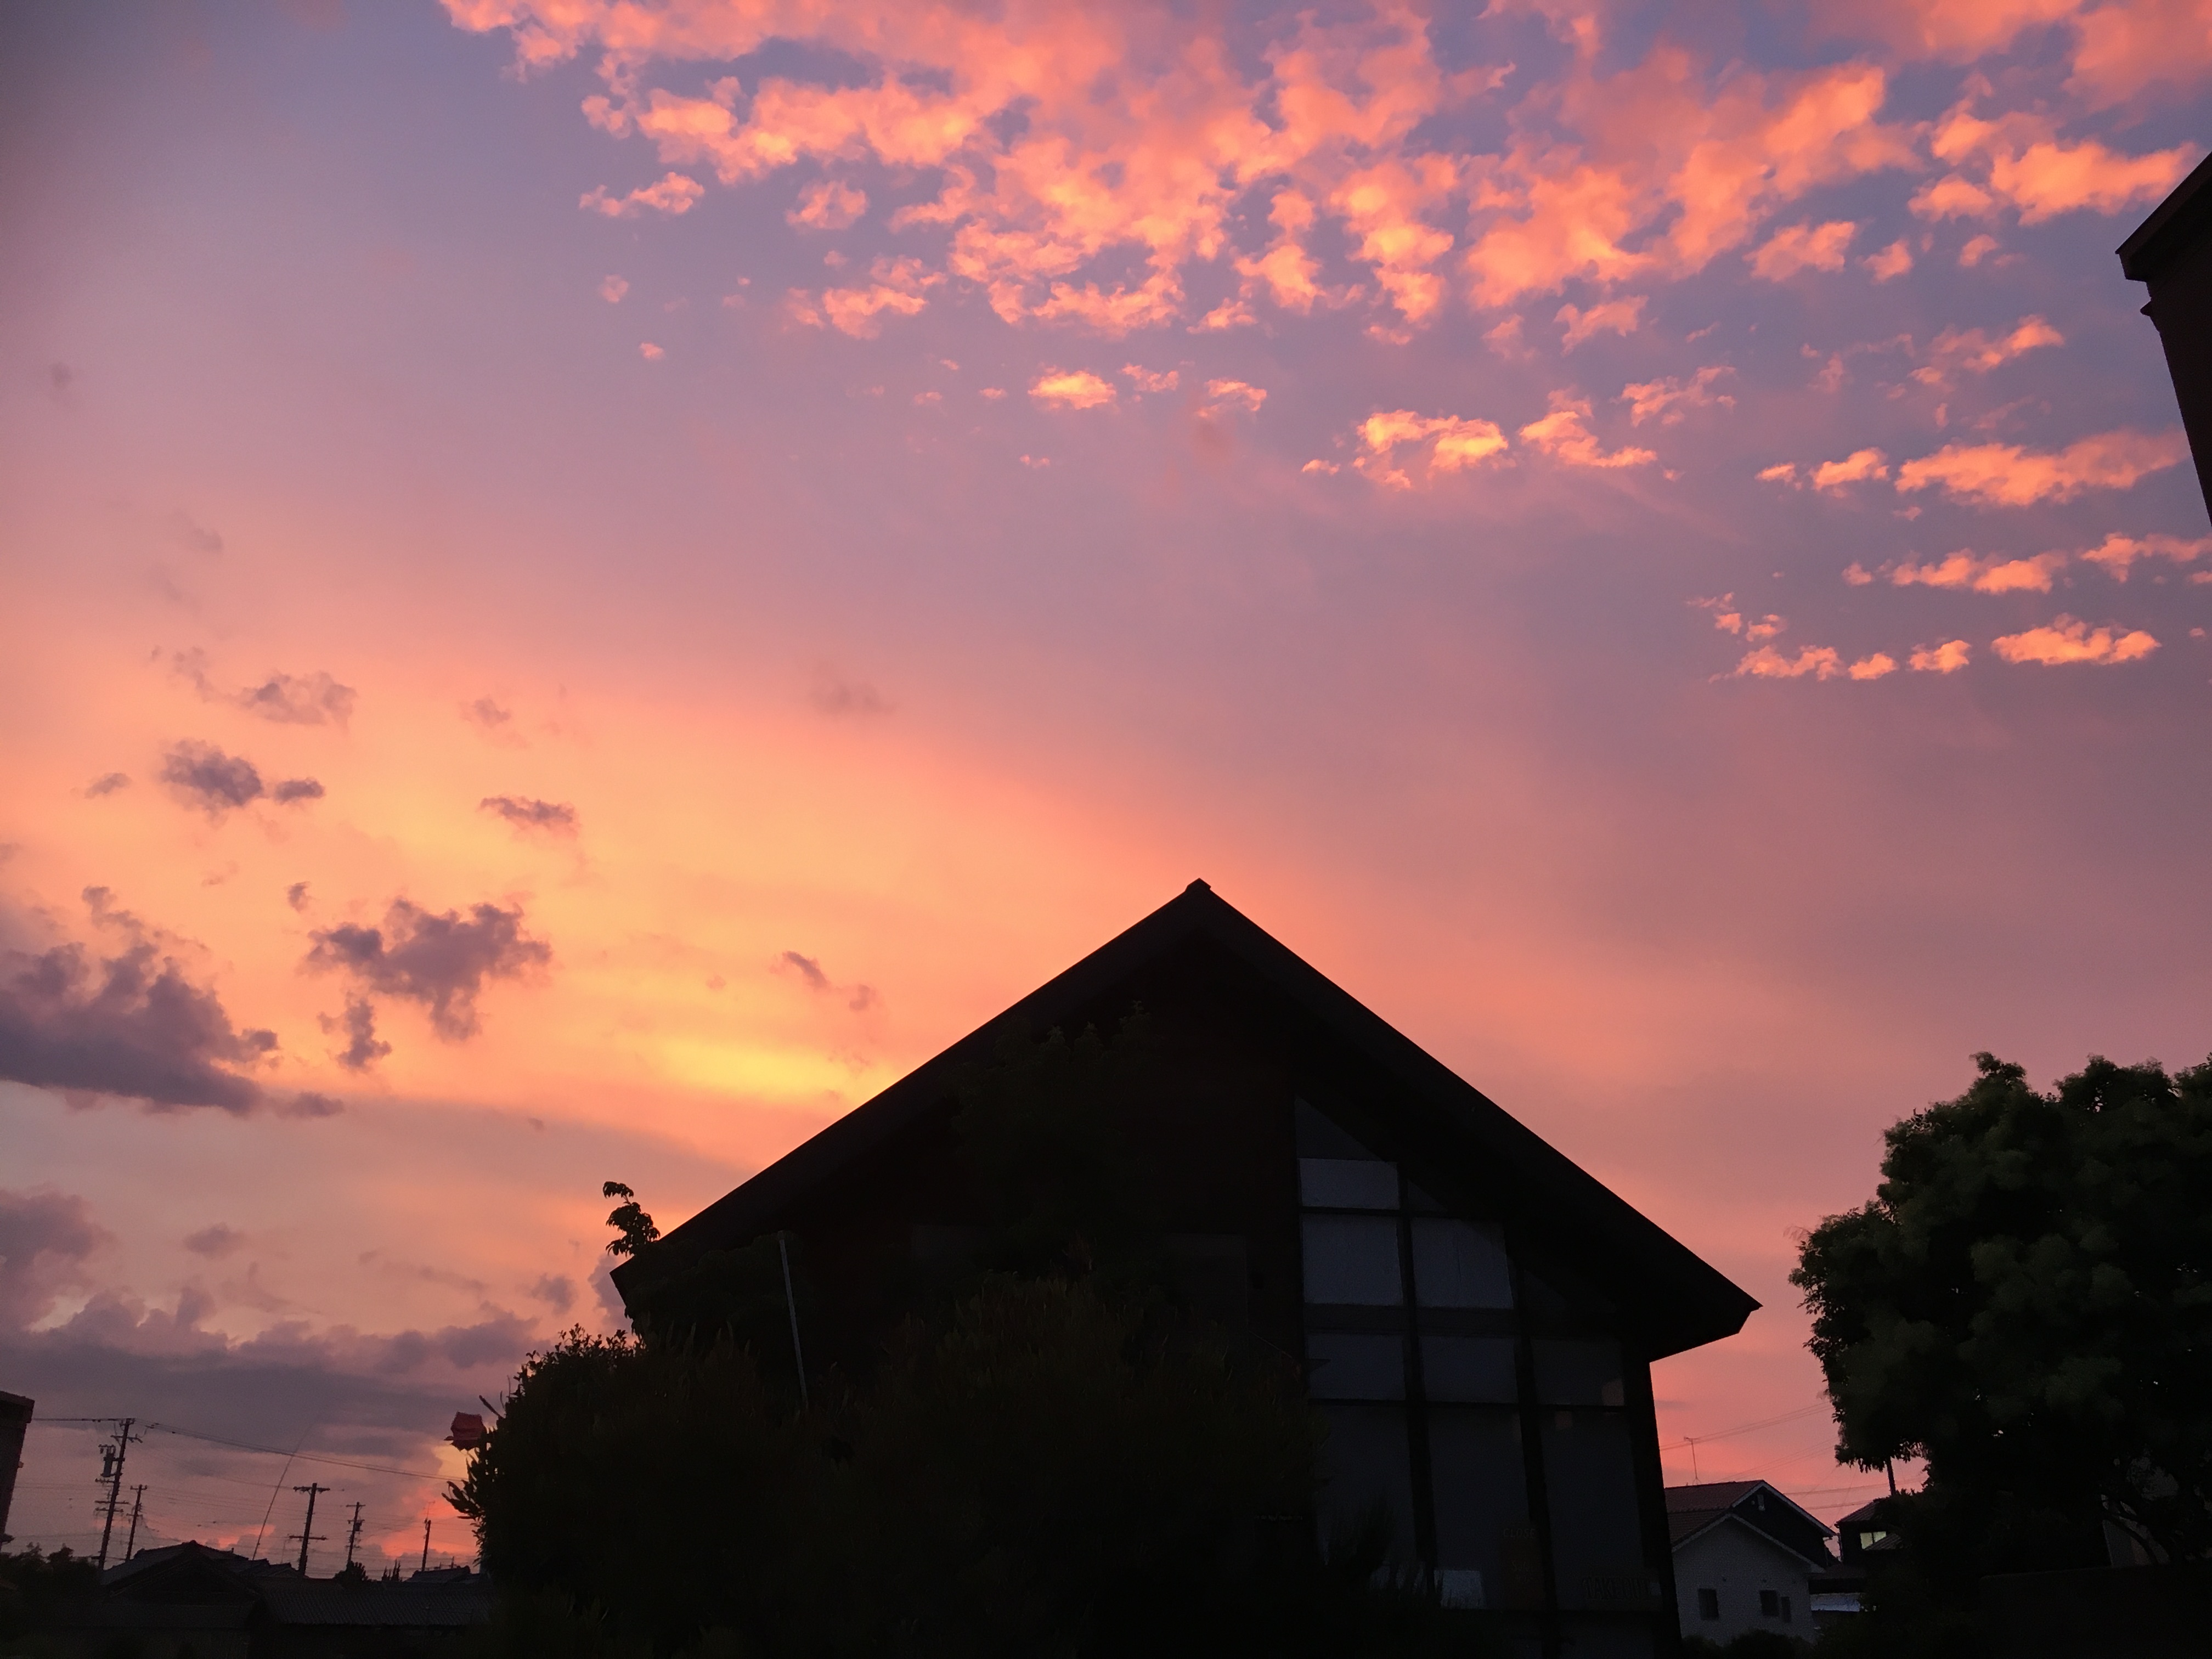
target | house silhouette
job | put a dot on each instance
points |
(1476, 1316)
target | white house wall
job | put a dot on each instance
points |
(1736, 1562)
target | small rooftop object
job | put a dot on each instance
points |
(468, 1430)
(2171, 253)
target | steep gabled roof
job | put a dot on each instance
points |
(1677, 1300)
(1695, 1509)
(1681, 1529)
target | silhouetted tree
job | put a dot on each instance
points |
(2027, 1303)
(33, 1584)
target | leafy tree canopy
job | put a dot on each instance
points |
(2027, 1303)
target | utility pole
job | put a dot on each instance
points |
(111, 1471)
(353, 1535)
(791, 1304)
(307, 1535)
(138, 1509)
(425, 1543)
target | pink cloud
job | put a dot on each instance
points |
(1948, 658)
(1667, 400)
(1822, 662)
(1072, 388)
(2117, 552)
(829, 204)
(1891, 261)
(1964, 571)
(673, 195)
(1873, 667)
(2007, 474)
(1621, 316)
(1453, 444)
(613, 290)
(1563, 436)
(2127, 47)
(1975, 352)
(1145, 381)
(1803, 248)
(2067, 641)
(1978, 248)
(1858, 467)
(1222, 394)
(2024, 165)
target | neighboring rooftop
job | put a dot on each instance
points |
(2174, 226)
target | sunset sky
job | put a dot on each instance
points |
(586, 584)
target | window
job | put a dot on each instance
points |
(1769, 1604)
(1469, 1371)
(1342, 1365)
(1709, 1604)
(1457, 1265)
(1347, 1183)
(1352, 1261)
(1785, 1610)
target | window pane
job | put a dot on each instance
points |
(1597, 1543)
(1457, 1265)
(1586, 1373)
(1367, 1478)
(1341, 1366)
(1477, 1371)
(1347, 1183)
(1482, 1508)
(1352, 1259)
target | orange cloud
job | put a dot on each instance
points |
(2006, 475)
(613, 290)
(829, 204)
(2067, 640)
(1145, 380)
(2024, 165)
(2117, 552)
(1977, 249)
(1562, 435)
(895, 288)
(1621, 316)
(1453, 444)
(1667, 398)
(1072, 388)
(1223, 393)
(1820, 661)
(1947, 658)
(1891, 261)
(1803, 248)
(1963, 570)
(1729, 620)
(673, 195)
(1873, 667)
(1856, 467)
(2126, 47)
(1975, 352)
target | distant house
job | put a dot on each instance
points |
(2171, 253)
(189, 1600)
(1745, 1558)
(1476, 1316)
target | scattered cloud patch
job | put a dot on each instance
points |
(47, 1238)
(440, 961)
(288, 790)
(1145, 381)
(528, 814)
(1889, 262)
(2008, 474)
(807, 968)
(1071, 388)
(1858, 467)
(2070, 640)
(829, 204)
(1563, 435)
(315, 699)
(1451, 444)
(1822, 662)
(1623, 316)
(1977, 249)
(612, 289)
(650, 352)
(200, 774)
(357, 1025)
(839, 695)
(1963, 570)
(1224, 394)
(1973, 351)
(2117, 552)
(673, 194)
(1803, 248)
(1666, 400)
(107, 784)
(308, 1103)
(1873, 667)
(1948, 658)
(132, 1025)
(296, 896)
(216, 1241)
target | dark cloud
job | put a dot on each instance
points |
(59, 378)
(107, 784)
(527, 814)
(296, 896)
(307, 1103)
(45, 1237)
(556, 1292)
(864, 998)
(833, 694)
(807, 968)
(131, 1024)
(218, 1240)
(487, 715)
(197, 536)
(358, 1024)
(313, 699)
(441, 962)
(203, 776)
